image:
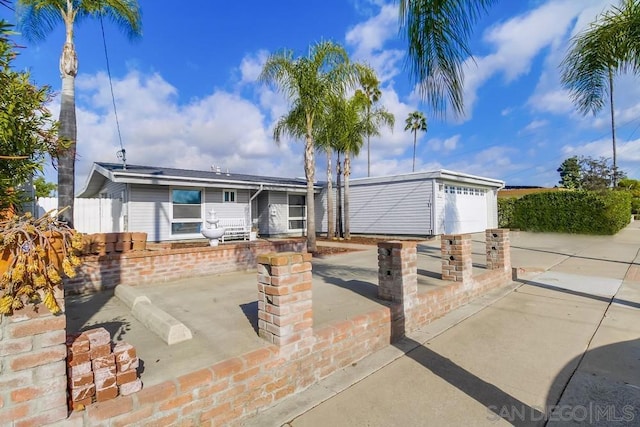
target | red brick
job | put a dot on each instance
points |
(107, 361)
(108, 409)
(257, 357)
(81, 380)
(138, 417)
(107, 393)
(52, 338)
(9, 415)
(104, 381)
(97, 337)
(215, 411)
(126, 376)
(99, 351)
(15, 346)
(157, 393)
(227, 367)
(78, 358)
(209, 390)
(246, 374)
(81, 393)
(37, 326)
(176, 402)
(38, 358)
(194, 379)
(81, 369)
(163, 421)
(43, 418)
(130, 387)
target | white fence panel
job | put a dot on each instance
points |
(90, 215)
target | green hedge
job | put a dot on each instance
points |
(506, 208)
(582, 212)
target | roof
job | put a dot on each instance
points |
(153, 175)
(442, 175)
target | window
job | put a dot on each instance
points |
(297, 212)
(229, 196)
(187, 211)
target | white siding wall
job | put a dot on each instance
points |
(150, 211)
(238, 209)
(321, 210)
(402, 208)
(439, 209)
(114, 190)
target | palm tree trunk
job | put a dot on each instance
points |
(339, 201)
(415, 133)
(68, 130)
(330, 219)
(347, 172)
(368, 156)
(309, 169)
(613, 129)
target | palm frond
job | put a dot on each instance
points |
(438, 33)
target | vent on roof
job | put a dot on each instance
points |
(216, 169)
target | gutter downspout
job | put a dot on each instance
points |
(251, 199)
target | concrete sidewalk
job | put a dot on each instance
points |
(562, 345)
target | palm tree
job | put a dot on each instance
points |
(611, 44)
(308, 82)
(325, 141)
(415, 122)
(375, 116)
(36, 19)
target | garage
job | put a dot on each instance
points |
(420, 204)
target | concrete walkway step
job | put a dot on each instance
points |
(167, 327)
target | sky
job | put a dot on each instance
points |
(187, 94)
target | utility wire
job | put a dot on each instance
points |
(113, 98)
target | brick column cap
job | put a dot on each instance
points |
(283, 258)
(455, 237)
(397, 244)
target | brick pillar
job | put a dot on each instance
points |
(456, 257)
(398, 282)
(498, 249)
(285, 313)
(33, 378)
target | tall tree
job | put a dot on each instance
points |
(415, 122)
(36, 19)
(27, 131)
(609, 45)
(570, 173)
(309, 82)
(375, 115)
(347, 119)
(438, 33)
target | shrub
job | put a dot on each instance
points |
(506, 207)
(583, 212)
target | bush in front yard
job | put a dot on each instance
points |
(506, 208)
(582, 212)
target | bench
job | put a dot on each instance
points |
(234, 228)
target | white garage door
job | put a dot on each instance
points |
(465, 209)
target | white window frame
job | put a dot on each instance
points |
(297, 218)
(186, 220)
(232, 193)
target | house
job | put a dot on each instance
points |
(423, 204)
(172, 204)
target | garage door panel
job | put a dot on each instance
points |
(465, 210)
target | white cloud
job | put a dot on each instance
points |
(368, 40)
(251, 66)
(519, 40)
(220, 128)
(447, 145)
(535, 125)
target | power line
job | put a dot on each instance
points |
(122, 153)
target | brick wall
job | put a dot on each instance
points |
(32, 367)
(238, 387)
(99, 272)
